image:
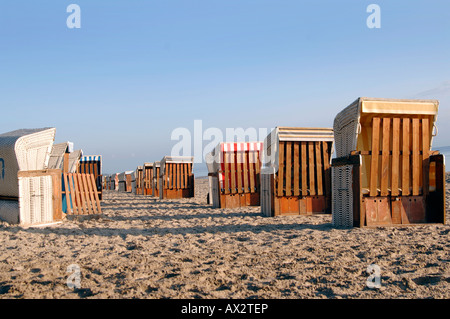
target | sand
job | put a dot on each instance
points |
(143, 248)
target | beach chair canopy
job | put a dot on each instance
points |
(88, 159)
(291, 134)
(216, 158)
(23, 150)
(56, 160)
(366, 119)
(74, 160)
(353, 125)
(174, 160)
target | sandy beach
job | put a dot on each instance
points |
(146, 248)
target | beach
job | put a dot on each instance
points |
(148, 248)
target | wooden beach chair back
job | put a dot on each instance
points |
(148, 179)
(82, 195)
(155, 181)
(385, 172)
(92, 164)
(296, 176)
(139, 180)
(234, 174)
(176, 177)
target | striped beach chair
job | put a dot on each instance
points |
(234, 174)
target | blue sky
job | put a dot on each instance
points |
(136, 70)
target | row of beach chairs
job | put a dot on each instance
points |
(375, 167)
(383, 173)
(170, 178)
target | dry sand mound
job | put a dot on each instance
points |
(143, 248)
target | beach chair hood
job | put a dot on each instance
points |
(23, 150)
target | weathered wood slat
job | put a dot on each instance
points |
(395, 164)
(415, 157)
(319, 168)
(425, 156)
(312, 182)
(91, 189)
(179, 176)
(227, 172)
(96, 197)
(233, 172)
(296, 169)
(86, 193)
(385, 150)
(405, 156)
(374, 158)
(239, 161)
(281, 170)
(245, 171)
(304, 166)
(82, 193)
(288, 169)
(252, 176)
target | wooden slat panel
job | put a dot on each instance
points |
(296, 169)
(227, 172)
(385, 150)
(172, 179)
(245, 171)
(168, 176)
(86, 193)
(91, 168)
(239, 171)
(96, 198)
(311, 163)
(90, 190)
(81, 192)
(288, 168)
(415, 156)
(374, 158)
(304, 166)
(251, 165)
(174, 175)
(178, 175)
(156, 178)
(76, 189)
(405, 156)
(186, 174)
(70, 194)
(395, 164)
(233, 172)
(76, 200)
(281, 170)
(182, 175)
(425, 156)
(319, 168)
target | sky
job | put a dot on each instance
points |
(135, 71)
